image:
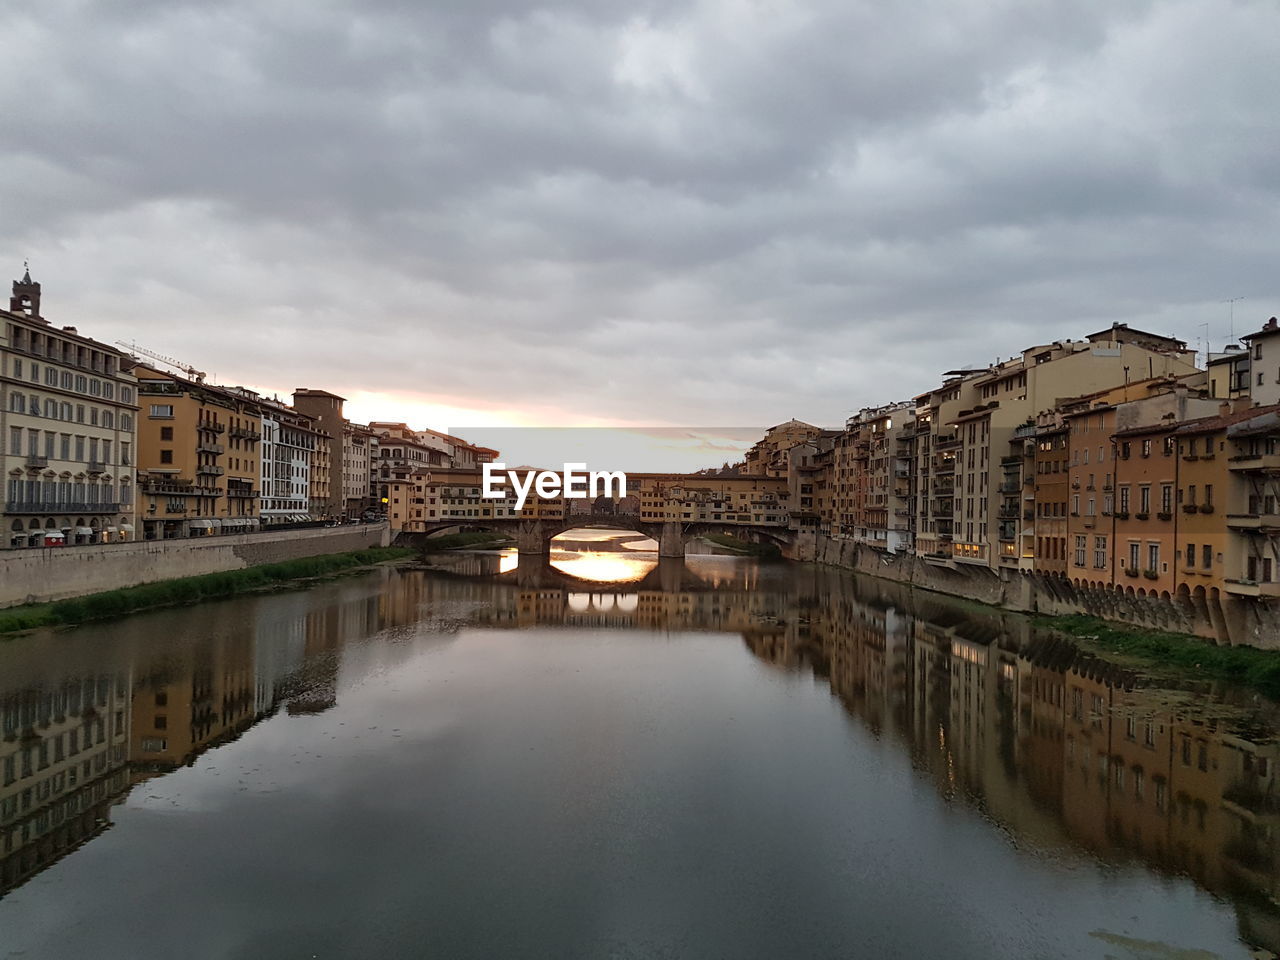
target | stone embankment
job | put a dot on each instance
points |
(56, 573)
(1222, 619)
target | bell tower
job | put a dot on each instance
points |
(26, 295)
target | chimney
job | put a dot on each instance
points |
(1225, 407)
(1241, 403)
(1271, 324)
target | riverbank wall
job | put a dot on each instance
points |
(1210, 615)
(39, 575)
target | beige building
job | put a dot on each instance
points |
(327, 494)
(768, 457)
(357, 465)
(1264, 363)
(873, 477)
(67, 422)
(934, 446)
(1010, 396)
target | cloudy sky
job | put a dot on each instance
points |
(719, 212)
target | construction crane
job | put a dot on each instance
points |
(188, 369)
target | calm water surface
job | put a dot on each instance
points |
(709, 758)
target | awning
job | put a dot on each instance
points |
(216, 524)
(83, 532)
(49, 534)
(200, 524)
(111, 529)
(126, 528)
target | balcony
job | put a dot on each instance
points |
(1256, 461)
(1254, 521)
(1012, 460)
(208, 447)
(250, 494)
(211, 427)
(1010, 487)
(1252, 588)
(97, 466)
(180, 488)
(245, 433)
(209, 469)
(65, 506)
(37, 463)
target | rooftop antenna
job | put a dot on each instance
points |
(1231, 315)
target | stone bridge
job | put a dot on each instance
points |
(534, 537)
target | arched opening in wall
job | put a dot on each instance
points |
(1142, 593)
(1164, 595)
(1128, 591)
(1184, 590)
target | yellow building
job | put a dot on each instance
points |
(198, 459)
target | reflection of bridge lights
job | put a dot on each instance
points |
(508, 560)
(578, 602)
(604, 567)
(628, 602)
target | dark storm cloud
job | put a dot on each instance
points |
(691, 212)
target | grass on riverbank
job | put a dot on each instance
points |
(764, 551)
(1247, 666)
(167, 593)
(453, 541)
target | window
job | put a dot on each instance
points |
(1144, 499)
(1153, 557)
(1100, 553)
(1166, 498)
(1208, 494)
(1191, 555)
(166, 456)
(1206, 553)
(1124, 499)
(161, 410)
(1146, 448)
(166, 433)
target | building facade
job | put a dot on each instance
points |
(198, 457)
(67, 425)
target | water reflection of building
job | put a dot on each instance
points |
(63, 762)
(1060, 747)
(73, 744)
(190, 704)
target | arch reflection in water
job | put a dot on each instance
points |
(604, 556)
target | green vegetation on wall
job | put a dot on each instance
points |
(209, 586)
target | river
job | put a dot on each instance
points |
(710, 758)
